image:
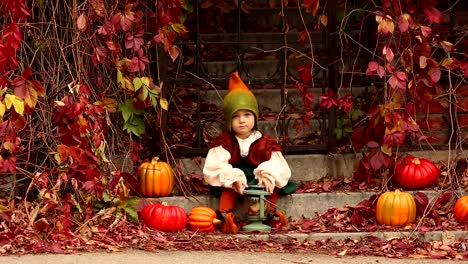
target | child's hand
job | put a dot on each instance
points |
(238, 187)
(267, 183)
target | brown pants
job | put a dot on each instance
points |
(229, 197)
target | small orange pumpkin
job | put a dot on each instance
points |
(460, 209)
(202, 219)
(396, 208)
(156, 178)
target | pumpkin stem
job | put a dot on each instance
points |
(416, 161)
(154, 160)
(164, 203)
(216, 221)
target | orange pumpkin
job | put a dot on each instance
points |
(396, 208)
(156, 178)
(460, 209)
(202, 219)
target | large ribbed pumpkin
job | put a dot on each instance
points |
(202, 219)
(156, 178)
(164, 217)
(415, 173)
(396, 208)
(460, 209)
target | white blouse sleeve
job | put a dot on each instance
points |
(218, 172)
(276, 169)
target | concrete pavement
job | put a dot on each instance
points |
(206, 257)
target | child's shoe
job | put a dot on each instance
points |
(228, 226)
(276, 219)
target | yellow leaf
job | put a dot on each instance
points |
(17, 103)
(164, 104)
(386, 149)
(145, 81)
(179, 28)
(2, 109)
(120, 78)
(128, 84)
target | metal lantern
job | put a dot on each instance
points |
(256, 194)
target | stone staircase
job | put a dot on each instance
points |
(299, 205)
(304, 168)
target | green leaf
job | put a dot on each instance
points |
(106, 197)
(339, 133)
(339, 123)
(188, 6)
(137, 83)
(127, 109)
(356, 114)
(145, 93)
(130, 205)
(131, 213)
(135, 125)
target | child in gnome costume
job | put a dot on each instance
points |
(243, 156)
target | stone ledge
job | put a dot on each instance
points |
(445, 236)
(296, 205)
(316, 166)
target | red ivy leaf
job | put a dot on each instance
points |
(134, 41)
(125, 20)
(359, 137)
(433, 15)
(303, 36)
(395, 139)
(13, 36)
(308, 99)
(305, 73)
(28, 90)
(345, 103)
(18, 9)
(94, 187)
(99, 55)
(378, 159)
(375, 68)
(388, 52)
(328, 100)
(442, 200)
(311, 6)
(405, 22)
(169, 11)
(8, 165)
(8, 58)
(422, 201)
(358, 219)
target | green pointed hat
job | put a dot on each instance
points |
(238, 97)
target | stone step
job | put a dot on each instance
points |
(318, 166)
(447, 237)
(296, 205)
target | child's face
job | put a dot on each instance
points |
(243, 121)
